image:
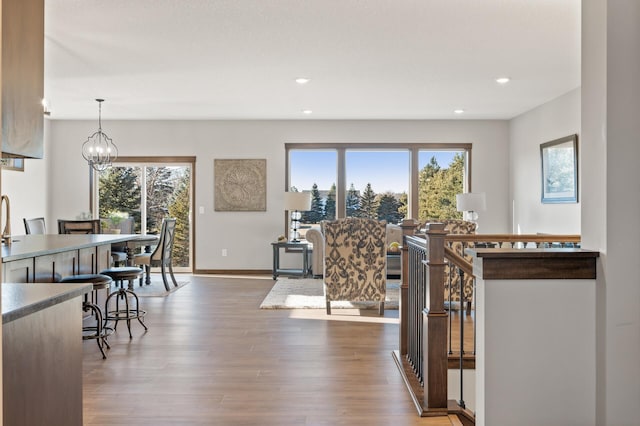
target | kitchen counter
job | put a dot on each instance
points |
(48, 258)
(26, 246)
(19, 300)
(42, 353)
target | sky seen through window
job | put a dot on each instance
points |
(387, 171)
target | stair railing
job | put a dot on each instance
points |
(423, 326)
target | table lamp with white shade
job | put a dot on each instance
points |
(296, 203)
(470, 203)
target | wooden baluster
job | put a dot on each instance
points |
(412, 308)
(409, 227)
(461, 276)
(475, 315)
(449, 279)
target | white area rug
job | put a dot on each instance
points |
(307, 293)
(156, 288)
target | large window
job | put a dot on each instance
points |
(383, 181)
(377, 184)
(314, 171)
(441, 176)
(150, 192)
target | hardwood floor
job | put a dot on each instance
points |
(469, 355)
(212, 357)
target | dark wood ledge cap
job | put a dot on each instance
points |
(506, 264)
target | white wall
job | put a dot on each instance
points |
(246, 235)
(611, 202)
(540, 369)
(28, 191)
(555, 119)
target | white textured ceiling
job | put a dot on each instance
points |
(367, 59)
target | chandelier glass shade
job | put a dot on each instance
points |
(99, 149)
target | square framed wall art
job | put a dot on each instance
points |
(240, 185)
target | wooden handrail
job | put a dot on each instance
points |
(458, 260)
(514, 238)
(466, 265)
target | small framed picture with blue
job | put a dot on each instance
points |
(559, 160)
(12, 164)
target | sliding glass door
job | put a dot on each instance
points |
(150, 192)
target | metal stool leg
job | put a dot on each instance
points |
(128, 312)
(98, 331)
(138, 316)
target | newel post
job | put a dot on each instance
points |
(409, 227)
(435, 322)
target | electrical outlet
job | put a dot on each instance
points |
(224, 252)
(201, 210)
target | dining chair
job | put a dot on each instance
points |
(119, 250)
(34, 226)
(161, 255)
(83, 226)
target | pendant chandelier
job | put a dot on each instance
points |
(99, 150)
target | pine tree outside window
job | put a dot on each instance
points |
(372, 173)
(150, 192)
(386, 181)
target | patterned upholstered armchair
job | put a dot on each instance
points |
(452, 279)
(355, 262)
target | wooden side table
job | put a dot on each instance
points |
(394, 261)
(301, 247)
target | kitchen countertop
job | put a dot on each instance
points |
(25, 246)
(20, 300)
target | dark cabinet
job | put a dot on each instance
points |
(22, 78)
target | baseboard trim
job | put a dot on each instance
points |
(414, 387)
(232, 271)
(416, 391)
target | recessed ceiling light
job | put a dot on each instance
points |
(302, 80)
(458, 111)
(306, 111)
(503, 80)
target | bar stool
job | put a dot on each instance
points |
(129, 312)
(99, 331)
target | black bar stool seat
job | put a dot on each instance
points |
(99, 331)
(131, 309)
